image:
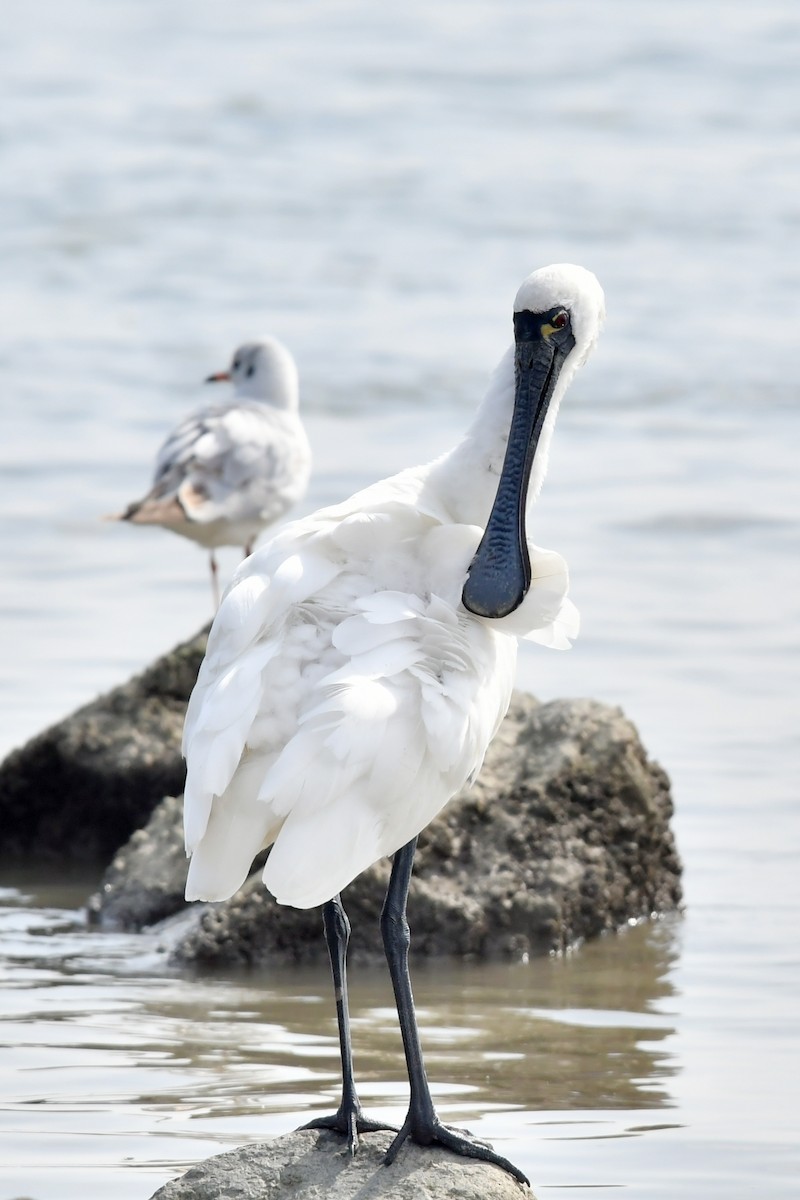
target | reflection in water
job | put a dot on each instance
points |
(91, 1021)
(585, 1031)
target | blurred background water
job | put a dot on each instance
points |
(371, 184)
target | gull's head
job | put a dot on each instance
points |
(262, 370)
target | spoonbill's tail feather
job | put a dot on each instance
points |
(239, 824)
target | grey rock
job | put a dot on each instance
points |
(308, 1165)
(79, 789)
(565, 835)
(147, 877)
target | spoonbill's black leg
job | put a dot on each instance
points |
(422, 1124)
(348, 1119)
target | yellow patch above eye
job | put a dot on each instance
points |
(548, 330)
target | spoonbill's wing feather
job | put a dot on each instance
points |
(388, 788)
(228, 695)
(399, 730)
(238, 825)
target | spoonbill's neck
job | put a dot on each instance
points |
(466, 477)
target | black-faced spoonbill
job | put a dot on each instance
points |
(230, 470)
(362, 660)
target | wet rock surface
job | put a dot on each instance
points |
(147, 876)
(308, 1165)
(565, 835)
(78, 790)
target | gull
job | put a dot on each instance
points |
(230, 470)
(362, 660)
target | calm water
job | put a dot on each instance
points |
(372, 185)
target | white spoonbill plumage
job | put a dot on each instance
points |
(362, 660)
(230, 470)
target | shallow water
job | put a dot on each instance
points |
(371, 185)
(164, 1070)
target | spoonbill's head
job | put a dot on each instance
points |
(570, 306)
(558, 312)
(262, 370)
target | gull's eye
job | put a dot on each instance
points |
(250, 372)
(560, 320)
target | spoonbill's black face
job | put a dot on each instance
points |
(500, 573)
(553, 327)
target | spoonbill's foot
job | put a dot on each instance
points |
(350, 1122)
(460, 1141)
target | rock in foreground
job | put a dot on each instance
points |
(308, 1165)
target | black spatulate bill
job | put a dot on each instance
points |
(500, 573)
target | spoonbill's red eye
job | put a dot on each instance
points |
(560, 320)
